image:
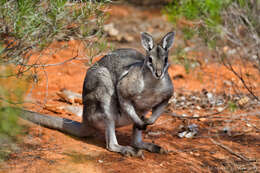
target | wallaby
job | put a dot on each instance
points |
(118, 90)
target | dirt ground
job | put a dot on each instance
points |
(224, 142)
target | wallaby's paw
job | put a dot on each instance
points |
(151, 147)
(163, 151)
(147, 121)
(131, 152)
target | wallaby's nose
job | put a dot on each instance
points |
(158, 73)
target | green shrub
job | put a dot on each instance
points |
(29, 26)
(211, 21)
(234, 24)
(11, 94)
(206, 13)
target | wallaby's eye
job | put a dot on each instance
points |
(150, 60)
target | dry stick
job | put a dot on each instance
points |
(230, 67)
(232, 152)
(210, 115)
(255, 113)
(191, 117)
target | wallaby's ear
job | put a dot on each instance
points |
(167, 41)
(147, 41)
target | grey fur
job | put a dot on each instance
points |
(120, 89)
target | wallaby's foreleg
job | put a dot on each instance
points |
(137, 142)
(128, 108)
(156, 112)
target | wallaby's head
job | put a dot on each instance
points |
(157, 54)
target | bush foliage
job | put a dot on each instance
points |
(29, 26)
(218, 19)
(231, 28)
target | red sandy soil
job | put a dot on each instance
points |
(46, 150)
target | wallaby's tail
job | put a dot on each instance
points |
(62, 124)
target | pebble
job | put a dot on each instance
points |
(182, 134)
(190, 134)
(198, 107)
(195, 115)
(100, 161)
(190, 131)
(155, 133)
(210, 96)
(220, 109)
(110, 29)
(202, 119)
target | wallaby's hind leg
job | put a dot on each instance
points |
(100, 108)
(112, 144)
(137, 142)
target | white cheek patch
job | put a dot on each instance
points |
(150, 44)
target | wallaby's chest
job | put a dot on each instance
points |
(152, 94)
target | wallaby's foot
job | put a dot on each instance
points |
(137, 142)
(150, 147)
(126, 150)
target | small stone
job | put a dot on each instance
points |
(128, 38)
(100, 161)
(202, 119)
(190, 134)
(195, 115)
(227, 83)
(182, 134)
(193, 127)
(110, 29)
(225, 49)
(249, 125)
(231, 51)
(196, 154)
(155, 133)
(219, 156)
(209, 96)
(183, 98)
(187, 49)
(198, 107)
(172, 100)
(219, 102)
(220, 109)
(254, 57)
(243, 101)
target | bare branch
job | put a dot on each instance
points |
(231, 151)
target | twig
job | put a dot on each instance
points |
(47, 86)
(210, 115)
(191, 117)
(48, 65)
(232, 152)
(229, 66)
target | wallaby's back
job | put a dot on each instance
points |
(119, 61)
